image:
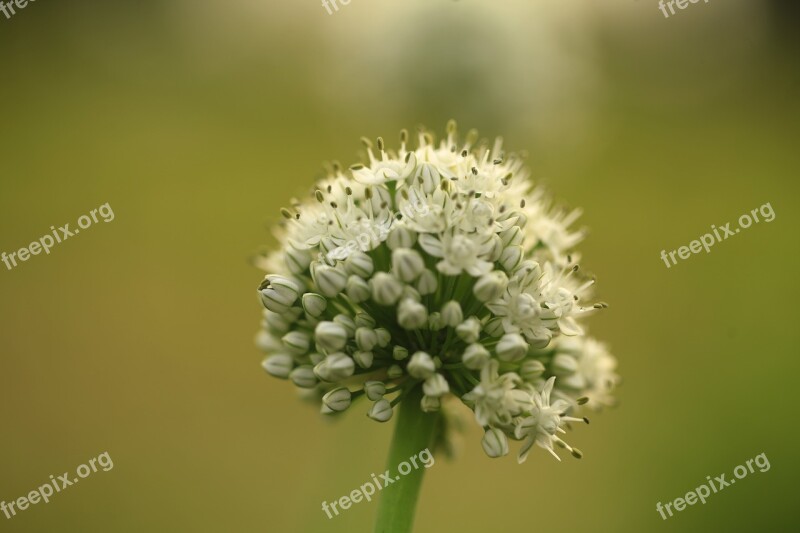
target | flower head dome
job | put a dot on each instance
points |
(436, 268)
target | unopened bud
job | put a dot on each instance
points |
(490, 286)
(337, 399)
(279, 365)
(304, 377)
(495, 443)
(329, 280)
(363, 359)
(407, 264)
(451, 314)
(435, 386)
(366, 339)
(401, 237)
(381, 411)
(357, 289)
(374, 390)
(386, 289)
(512, 347)
(411, 314)
(421, 365)
(330, 336)
(278, 293)
(359, 264)
(469, 331)
(475, 356)
(314, 304)
(298, 342)
(427, 283)
(531, 370)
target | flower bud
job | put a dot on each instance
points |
(381, 411)
(278, 323)
(304, 377)
(511, 258)
(329, 280)
(366, 339)
(490, 286)
(386, 289)
(451, 314)
(430, 404)
(359, 264)
(384, 337)
(363, 320)
(266, 342)
(495, 443)
(347, 323)
(363, 359)
(469, 331)
(427, 283)
(564, 365)
(394, 371)
(279, 365)
(411, 293)
(435, 322)
(335, 367)
(297, 260)
(337, 399)
(475, 356)
(531, 370)
(495, 328)
(421, 366)
(399, 353)
(357, 289)
(314, 304)
(435, 386)
(330, 336)
(374, 390)
(298, 342)
(512, 236)
(407, 264)
(411, 314)
(512, 347)
(278, 293)
(401, 237)
(496, 250)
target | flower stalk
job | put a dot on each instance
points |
(414, 431)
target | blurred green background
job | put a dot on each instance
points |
(197, 120)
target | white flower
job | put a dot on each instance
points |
(496, 398)
(459, 253)
(388, 257)
(544, 422)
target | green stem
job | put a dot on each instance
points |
(414, 432)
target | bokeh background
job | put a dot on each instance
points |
(197, 120)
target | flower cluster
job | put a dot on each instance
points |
(438, 267)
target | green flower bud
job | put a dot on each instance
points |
(475, 356)
(411, 314)
(366, 339)
(347, 323)
(381, 411)
(279, 365)
(298, 342)
(564, 365)
(314, 304)
(490, 286)
(278, 293)
(511, 258)
(421, 366)
(386, 289)
(337, 399)
(401, 237)
(399, 353)
(435, 386)
(469, 331)
(427, 283)
(330, 336)
(363, 320)
(374, 390)
(357, 289)
(451, 314)
(384, 337)
(297, 261)
(329, 280)
(407, 264)
(495, 328)
(512, 347)
(304, 377)
(394, 371)
(531, 370)
(359, 264)
(495, 443)
(335, 367)
(363, 359)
